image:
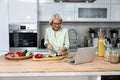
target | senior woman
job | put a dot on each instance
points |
(56, 36)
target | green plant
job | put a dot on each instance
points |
(91, 30)
(113, 31)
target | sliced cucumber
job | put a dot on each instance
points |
(28, 54)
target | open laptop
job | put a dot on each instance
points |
(83, 55)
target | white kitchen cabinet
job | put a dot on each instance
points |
(66, 10)
(115, 1)
(4, 34)
(22, 11)
(92, 12)
(46, 1)
(115, 12)
(102, 1)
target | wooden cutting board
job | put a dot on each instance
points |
(53, 58)
(18, 58)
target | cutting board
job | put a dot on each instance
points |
(7, 56)
(53, 58)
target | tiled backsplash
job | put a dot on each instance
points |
(80, 27)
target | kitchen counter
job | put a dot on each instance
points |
(98, 65)
(56, 68)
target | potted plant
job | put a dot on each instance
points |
(92, 32)
(113, 31)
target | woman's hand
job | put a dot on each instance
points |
(49, 46)
(59, 52)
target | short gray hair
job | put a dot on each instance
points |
(55, 16)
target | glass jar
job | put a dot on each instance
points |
(107, 55)
(114, 57)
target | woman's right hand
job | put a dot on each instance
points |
(59, 52)
(49, 46)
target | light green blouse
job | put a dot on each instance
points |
(60, 40)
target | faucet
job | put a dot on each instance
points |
(72, 35)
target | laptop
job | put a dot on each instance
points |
(83, 55)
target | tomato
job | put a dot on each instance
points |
(20, 53)
(10, 52)
(38, 55)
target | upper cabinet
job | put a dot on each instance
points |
(4, 34)
(98, 11)
(66, 10)
(92, 12)
(102, 1)
(115, 12)
(115, 1)
(22, 11)
(80, 12)
(46, 1)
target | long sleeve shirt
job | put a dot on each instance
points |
(59, 41)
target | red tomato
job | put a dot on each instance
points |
(10, 52)
(38, 55)
(20, 53)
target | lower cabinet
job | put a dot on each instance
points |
(111, 77)
(50, 78)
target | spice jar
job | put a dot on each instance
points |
(114, 57)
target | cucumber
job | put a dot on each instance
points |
(24, 53)
(28, 53)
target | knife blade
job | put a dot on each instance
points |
(55, 52)
(52, 50)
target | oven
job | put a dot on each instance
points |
(23, 37)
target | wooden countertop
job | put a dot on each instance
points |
(30, 66)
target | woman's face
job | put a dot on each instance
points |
(56, 24)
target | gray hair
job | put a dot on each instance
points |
(55, 16)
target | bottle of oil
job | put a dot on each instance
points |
(85, 41)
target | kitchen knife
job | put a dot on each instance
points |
(53, 51)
